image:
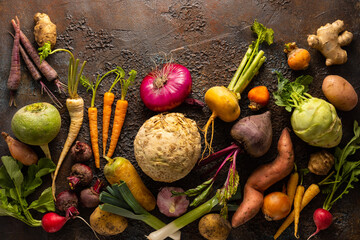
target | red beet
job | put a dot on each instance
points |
(67, 201)
(81, 152)
(322, 219)
(81, 175)
(171, 206)
(52, 222)
(89, 197)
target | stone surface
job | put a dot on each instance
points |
(209, 37)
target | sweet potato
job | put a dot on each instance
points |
(262, 178)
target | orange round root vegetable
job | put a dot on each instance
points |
(298, 58)
(107, 223)
(339, 92)
(259, 97)
(214, 227)
(121, 169)
(262, 178)
(224, 104)
(276, 206)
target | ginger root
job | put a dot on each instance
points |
(328, 41)
(44, 30)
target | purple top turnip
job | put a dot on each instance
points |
(81, 175)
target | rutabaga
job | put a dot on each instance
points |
(314, 120)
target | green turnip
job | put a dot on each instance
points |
(37, 124)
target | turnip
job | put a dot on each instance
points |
(37, 124)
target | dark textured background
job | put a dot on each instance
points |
(210, 38)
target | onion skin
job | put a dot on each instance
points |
(172, 206)
(166, 88)
(276, 206)
(20, 151)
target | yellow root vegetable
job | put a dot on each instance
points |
(44, 30)
(106, 223)
(328, 41)
(121, 169)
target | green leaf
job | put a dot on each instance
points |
(263, 33)
(44, 51)
(45, 203)
(290, 94)
(13, 168)
(86, 83)
(34, 174)
(5, 180)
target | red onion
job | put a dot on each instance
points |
(171, 206)
(166, 88)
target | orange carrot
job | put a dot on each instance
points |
(92, 114)
(109, 98)
(120, 113)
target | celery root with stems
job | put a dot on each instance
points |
(222, 101)
(74, 104)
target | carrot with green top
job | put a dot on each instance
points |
(74, 104)
(92, 115)
(109, 98)
(120, 112)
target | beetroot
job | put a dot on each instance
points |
(172, 206)
(89, 197)
(81, 175)
(67, 201)
(81, 152)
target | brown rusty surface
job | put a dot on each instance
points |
(209, 37)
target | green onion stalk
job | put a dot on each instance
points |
(119, 200)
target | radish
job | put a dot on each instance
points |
(52, 222)
(322, 219)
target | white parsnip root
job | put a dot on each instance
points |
(76, 111)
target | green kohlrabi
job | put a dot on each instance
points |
(314, 120)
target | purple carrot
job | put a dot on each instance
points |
(35, 74)
(44, 67)
(15, 74)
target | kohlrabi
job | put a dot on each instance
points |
(314, 120)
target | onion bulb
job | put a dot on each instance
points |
(276, 206)
(166, 88)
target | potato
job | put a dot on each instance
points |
(339, 92)
(214, 227)
(106, 223)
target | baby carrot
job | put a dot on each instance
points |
(109, 98)
(92, 114)
(120, 113)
